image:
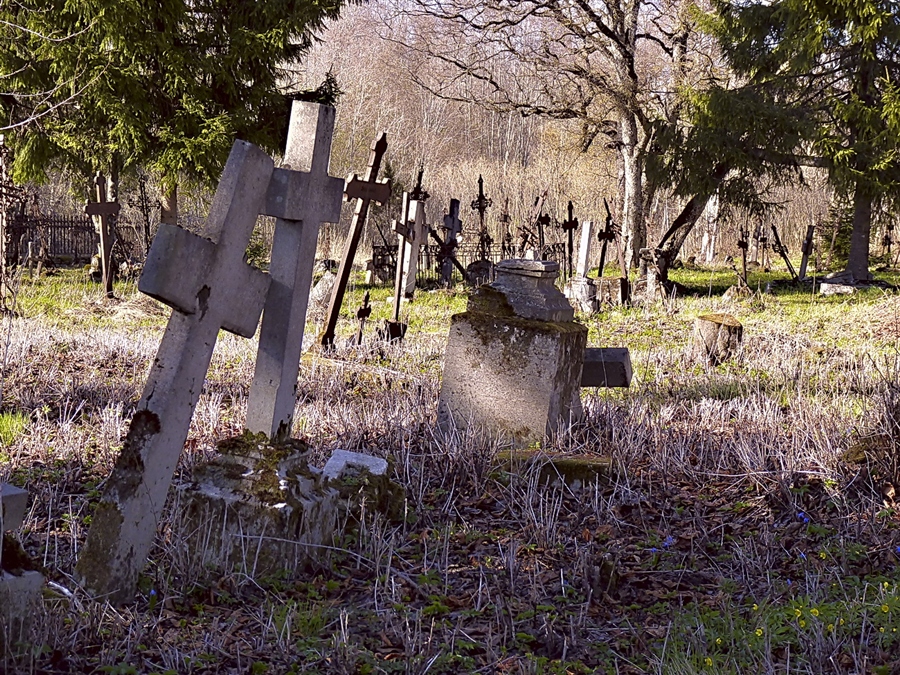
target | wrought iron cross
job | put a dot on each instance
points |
(481, 204)
(569, 225)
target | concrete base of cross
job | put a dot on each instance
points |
(18, 597)
(260, 509)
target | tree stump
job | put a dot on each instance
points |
(716, 337)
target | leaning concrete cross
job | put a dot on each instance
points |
(417, 230)
(103, 212)
(209, 286)
(364, 191)
(301, 197)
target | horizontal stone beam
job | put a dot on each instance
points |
(14, 504)
(606, 367)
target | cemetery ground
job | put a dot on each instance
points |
(744, 522)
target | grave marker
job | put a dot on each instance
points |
(301, 197)
(209, 286)
(808, 248)
(19, 591)
(103, 213)
(362, 315)
(394, 329)
(569, 225)
(415, 236)
(481, 204)
(452, 227)
(364, 191)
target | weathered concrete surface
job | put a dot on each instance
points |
(124, 522)
(513, 362)
(13, 504)
(528, 288)
(301, 196)
(260, 509)
(574, 471)
(19, 596)
(582, 294)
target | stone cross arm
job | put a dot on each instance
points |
(606, 367)
(102, 208)
(13, 504)
(177, 271)
(300, 195)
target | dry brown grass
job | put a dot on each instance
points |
(723, 477)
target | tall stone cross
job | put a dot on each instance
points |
(404, 232)
(301, 197)
(209, 286)
(417, 231)
(103, 213)
(364, 191)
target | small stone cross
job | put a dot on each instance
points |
(209, 286)
(103, 213)
(301, 196)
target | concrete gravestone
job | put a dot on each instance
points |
(209, 286)
(20, 588)
(514, 358)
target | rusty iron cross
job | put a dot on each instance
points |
(481, 204)
(103, 213)
(365, 191)
(569, 225)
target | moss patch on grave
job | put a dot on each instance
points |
(253, 465)
(574, 470)
(381, 494)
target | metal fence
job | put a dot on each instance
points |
(67, 239)
(384, 259)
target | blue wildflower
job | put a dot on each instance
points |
(668, 542)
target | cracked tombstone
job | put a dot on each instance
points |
(20, 582)
(209, 286)
(514, 358)
(301, 197)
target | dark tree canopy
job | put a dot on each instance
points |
(109, 84)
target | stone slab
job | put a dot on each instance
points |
(14, 505)
(343, 460)
(829, 288)
(574, 471)
(606, 367)
(613, 291)
(528, 291)
(18, 597)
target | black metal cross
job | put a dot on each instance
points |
(145, 205)
(481, 205)
(569, 226)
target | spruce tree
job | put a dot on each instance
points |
(93, 85)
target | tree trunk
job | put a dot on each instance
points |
(633, 226)
(858, 260)
(168, 211)
(672, 241)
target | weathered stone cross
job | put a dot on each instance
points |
(103, 213)
(209, 286)
(301, 197)
(416, 229)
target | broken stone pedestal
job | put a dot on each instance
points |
(582, 293)
(261, 509)
(20, 584)
(513, 361)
